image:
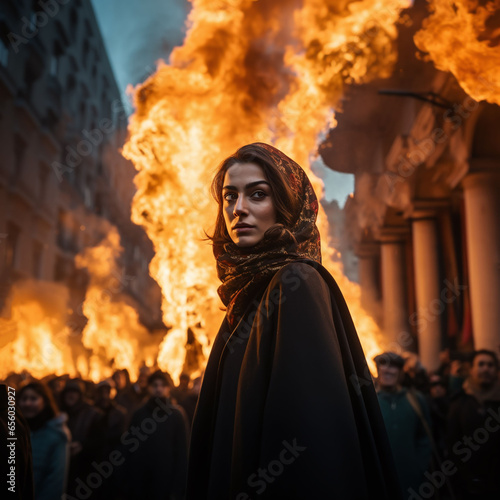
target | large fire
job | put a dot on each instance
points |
(248, 71)
(113, 332)
(463, 37)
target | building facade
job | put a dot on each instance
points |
(63, 180)
(425, 215)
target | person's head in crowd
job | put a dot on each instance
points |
(120, 379)
(484, 370)
(437, 386)
(36, 404)
(142, 379)
(196, 385)
(389, 368)
(412, 364)
(55, 383)
(159, 385)
(184, 380)
(105, 391)
(72, 393)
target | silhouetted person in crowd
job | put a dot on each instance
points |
(56, 385)
(156, 459)
(86, 424)
(439, 403)
(50, 439)
(186, 396)
(132, 396)
(414, 374)
(182, 390)
(473, 434)
(406, 416)
(114, 423)
(17, 477)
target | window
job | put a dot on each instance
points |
(88, 29)
(43, 174)
(19, 149)
(87, 192)
(37, 259)
(4, 53)
(60, 269)
(73, 19)
(85, 53)
(55, 59)
(53, 65)
(70, 84)
(12, 244)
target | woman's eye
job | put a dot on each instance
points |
(259, 194)
(230, 196)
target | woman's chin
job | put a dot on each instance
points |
(246, 241)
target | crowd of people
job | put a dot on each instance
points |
(122, 440)
(443, 427)
(113, 440)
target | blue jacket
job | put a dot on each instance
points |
(410, 444)
(50, 445)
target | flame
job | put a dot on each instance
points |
(113, 332)
(463, 37)
(248, 71)
(34, 338)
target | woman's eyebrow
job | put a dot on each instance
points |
(248, 186)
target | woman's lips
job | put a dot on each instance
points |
(243, 229)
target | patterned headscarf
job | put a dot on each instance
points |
(246, 271)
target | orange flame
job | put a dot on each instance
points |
(35, 337)
(113, 332)
(463, 37)
(248, 71)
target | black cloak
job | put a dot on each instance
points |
(287, 408)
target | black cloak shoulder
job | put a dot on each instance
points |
(287, 408)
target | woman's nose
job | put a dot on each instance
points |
(240, 206)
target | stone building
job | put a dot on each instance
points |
(425, 215)
(62, 178)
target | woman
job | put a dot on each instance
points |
(49, 440)
(281, 413)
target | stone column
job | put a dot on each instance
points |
(482, 221)
(368, 265)
(394, 305)
(427, 290)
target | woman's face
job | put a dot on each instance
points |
(248, 204)
(31, 403)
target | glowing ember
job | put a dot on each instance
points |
(463, 37)
(248, 71)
